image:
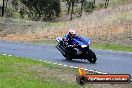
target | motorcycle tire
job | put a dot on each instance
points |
(67, 57)
(91, 56)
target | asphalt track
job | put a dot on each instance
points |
(107, 61)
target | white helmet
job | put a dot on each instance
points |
(72, 32)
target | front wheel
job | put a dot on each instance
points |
(91, 56)
(68, 57)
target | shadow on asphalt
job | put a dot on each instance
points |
(75, 61)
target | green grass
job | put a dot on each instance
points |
(16, 72)
(112, 3)
(26, 73)
(116, 47)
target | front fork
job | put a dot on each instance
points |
(86, 52)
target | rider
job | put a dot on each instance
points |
(69, 36)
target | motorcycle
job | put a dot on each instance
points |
(78, 50)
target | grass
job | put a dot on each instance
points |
(118, 2)
(16, 72)
(26, 73)
(112, 3)
(112, 24)
(116, 47)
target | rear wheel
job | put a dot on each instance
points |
(91, 56)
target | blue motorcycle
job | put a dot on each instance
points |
(78, 50)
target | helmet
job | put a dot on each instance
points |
(72, 32)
